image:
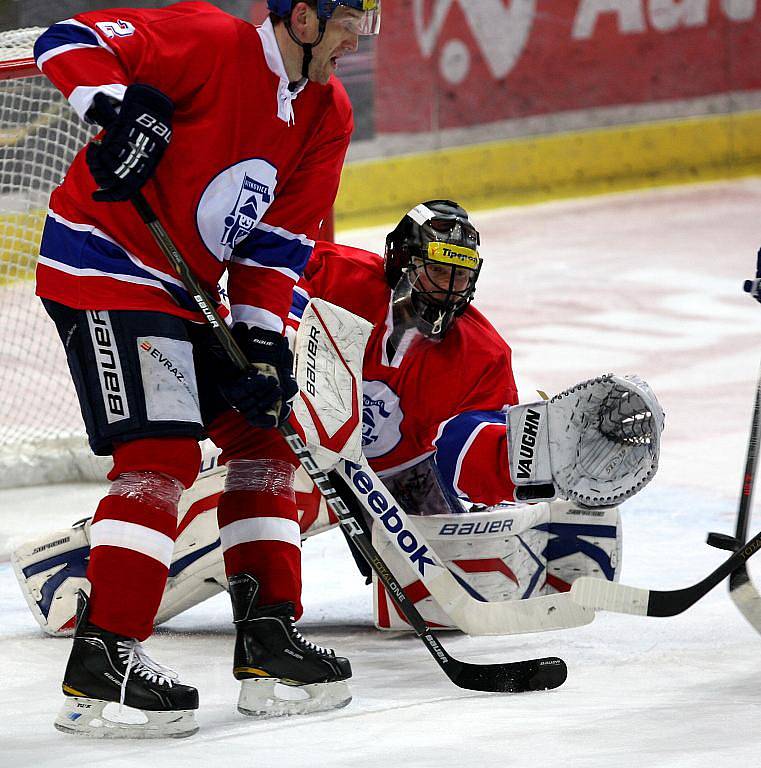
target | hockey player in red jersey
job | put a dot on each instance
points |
(242, 132)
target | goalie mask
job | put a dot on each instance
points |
(432, 256)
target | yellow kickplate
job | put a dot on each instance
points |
(69, 691)
(250, 671)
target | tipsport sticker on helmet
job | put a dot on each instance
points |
(458, 255)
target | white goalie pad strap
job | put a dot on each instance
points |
(507, 552)
(330, 346)
(597, 443)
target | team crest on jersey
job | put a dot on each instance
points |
(381, 419)
(234, 203)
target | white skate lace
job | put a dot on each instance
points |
(299, 638)
(142, 665)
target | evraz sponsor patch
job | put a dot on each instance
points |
(169, 379)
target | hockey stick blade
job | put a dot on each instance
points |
(511, 677)
(610, 596)
(746, 597)
(742, 591)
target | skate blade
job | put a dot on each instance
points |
(268, 697)
(108, 720)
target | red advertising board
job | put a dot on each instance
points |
(456, 63)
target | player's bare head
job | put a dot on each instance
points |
(433, 255)
(323, 30)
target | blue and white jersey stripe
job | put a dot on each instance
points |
(68, 35)
(454, 439)
(83, 250)
(299, 302)
(275, 248)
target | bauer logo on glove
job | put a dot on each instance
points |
(595, 444)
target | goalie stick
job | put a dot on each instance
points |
(741, 589)
(510, 677)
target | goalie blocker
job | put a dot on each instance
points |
(507, 552)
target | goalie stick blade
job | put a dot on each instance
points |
(516, 677)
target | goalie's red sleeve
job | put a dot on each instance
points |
(250, 173)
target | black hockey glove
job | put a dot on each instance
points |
(134, 142)
(263, 394)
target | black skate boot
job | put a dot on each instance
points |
(113, 690)
(270, 650)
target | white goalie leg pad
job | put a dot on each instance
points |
(314, 515)
(50, 570)
(495, 555)
(507, 552)
(265, 698)
(110, 720)
(595, 444)
(581, 542)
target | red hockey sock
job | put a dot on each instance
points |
(260, 533)
(132, 534)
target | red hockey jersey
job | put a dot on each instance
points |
(444, 398)
(249, 175)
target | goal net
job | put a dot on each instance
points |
(41, 430)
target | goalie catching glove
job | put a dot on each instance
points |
(595, 444)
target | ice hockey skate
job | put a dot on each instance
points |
(113, 690)
(281, 673)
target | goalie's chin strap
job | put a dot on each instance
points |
(307, 48)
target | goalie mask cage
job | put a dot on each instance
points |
(42, 437)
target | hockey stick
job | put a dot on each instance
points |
(510, 677)
(741, 589)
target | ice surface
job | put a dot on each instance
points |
(646, 283)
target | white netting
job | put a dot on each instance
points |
(39, 136)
